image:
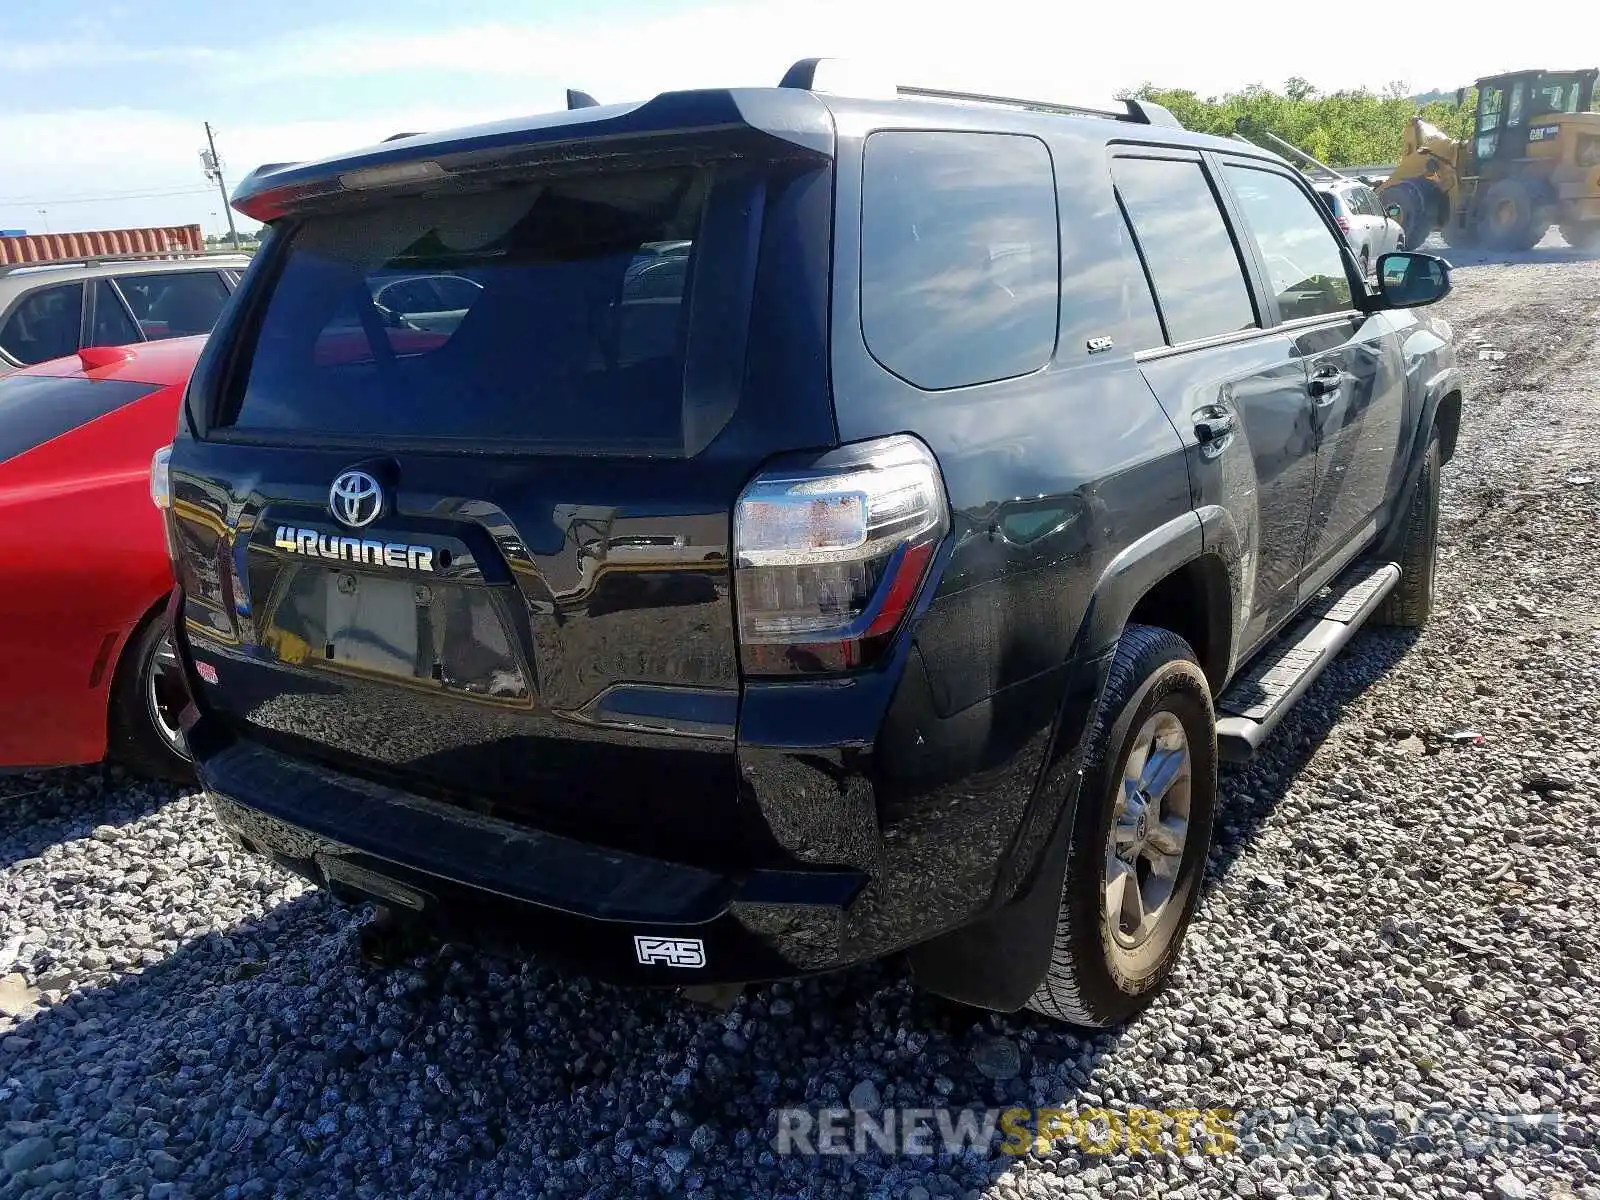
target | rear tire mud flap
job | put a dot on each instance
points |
(999, 960)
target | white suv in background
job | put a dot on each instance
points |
(51, 310)
(1370, 231)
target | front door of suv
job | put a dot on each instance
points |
(1232, 386)
(1354, 371)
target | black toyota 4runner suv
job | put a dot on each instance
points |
(752, 531)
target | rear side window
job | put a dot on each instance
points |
(1194, 268)
(551, 313)
(45, 324)
(960, 256)
(175, 304)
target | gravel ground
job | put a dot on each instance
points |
(1399, 923)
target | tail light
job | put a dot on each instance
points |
(830, 558)
(1343, 223)
(161, 494)
(161, 478)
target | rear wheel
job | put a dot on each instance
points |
(1582, 235)
(146, 698)
(1139, 837)
(1508, 218)
(1410, 604)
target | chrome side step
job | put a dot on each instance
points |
(1256, 701)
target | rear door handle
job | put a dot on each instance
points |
(1325, 383)
(1212, 424)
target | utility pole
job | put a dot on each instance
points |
(213, 166)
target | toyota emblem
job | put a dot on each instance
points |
(355, 499)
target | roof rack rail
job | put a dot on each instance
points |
(812, 74)
(95, 260)
(1140, 112)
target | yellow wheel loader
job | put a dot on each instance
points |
(1532, 161)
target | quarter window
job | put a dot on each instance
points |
(960, 256)
(1304, 263)
(1193, 266)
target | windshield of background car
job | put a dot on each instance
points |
(551, 313)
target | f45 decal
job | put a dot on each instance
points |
(670, 952)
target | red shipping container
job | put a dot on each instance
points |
(154, 241)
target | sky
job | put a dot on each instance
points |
(103, 102)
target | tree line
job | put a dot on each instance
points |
(1339, 128)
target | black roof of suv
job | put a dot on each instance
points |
(746, 532)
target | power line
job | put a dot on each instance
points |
(105, 199)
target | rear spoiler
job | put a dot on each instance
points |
(758, 121)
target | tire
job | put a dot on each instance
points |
(1410, 604)
(1099, 976)
(1507, 219)
(1366, 263)
(137, 738)
(1460, 237)
(1417, 204)
(1582, 235)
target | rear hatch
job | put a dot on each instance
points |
(456, 509)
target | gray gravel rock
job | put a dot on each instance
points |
(864, 1097)
(192, 1021)
(30, 1152)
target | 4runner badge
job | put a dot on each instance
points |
(670, 952)
(368, 551)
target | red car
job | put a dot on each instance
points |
(86, 668)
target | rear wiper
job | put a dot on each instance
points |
(377, 332)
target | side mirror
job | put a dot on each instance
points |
(1408, 280)
(1393, 212)
(389, 317)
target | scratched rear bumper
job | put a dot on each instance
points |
(620, 917)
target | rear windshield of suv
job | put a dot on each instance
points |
(550, 313)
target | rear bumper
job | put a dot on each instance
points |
(620, 917)
(884, 826)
